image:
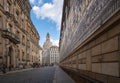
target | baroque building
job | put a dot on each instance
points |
(47, 43)
(46, 57)
(40, 54)
(19, 40)
(54, 55)
(46, 47)
(90, 40)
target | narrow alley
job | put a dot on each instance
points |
(59, 41)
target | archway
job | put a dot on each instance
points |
(10, 57)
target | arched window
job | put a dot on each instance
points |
(9, 27)
(17, 15)
(23, 56)
(18, 33)
(18, 55)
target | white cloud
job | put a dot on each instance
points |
(52, 11)
(55, 42)
(32, 1)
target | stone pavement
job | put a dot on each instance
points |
(61, 76)
(37, 75)
(14, 71)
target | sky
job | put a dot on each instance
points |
(46, 17)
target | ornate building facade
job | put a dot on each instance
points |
(47, 43)
(40, 54)
(46, 47)
(90, 39)
(54, 55)
(19, 40)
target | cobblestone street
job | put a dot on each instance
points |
(43, 75)
(59, 41)
(38, 75)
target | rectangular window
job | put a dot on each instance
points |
(23, 39)
(1, 21)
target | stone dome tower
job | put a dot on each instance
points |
(47, 43)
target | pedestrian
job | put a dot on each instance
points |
(10, 67)
(0, 67)
(4, 68)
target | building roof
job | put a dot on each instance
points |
(54, 47)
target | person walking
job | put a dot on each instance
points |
(10, 67)
(3, 68)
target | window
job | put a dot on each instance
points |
(23, 56)
(23, 39)
(19, 55)
(9, 27)
(18, 33)
(17, 15)
(8, 7)
(22, 16)
(0, 21)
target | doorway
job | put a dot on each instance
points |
(10, 58)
